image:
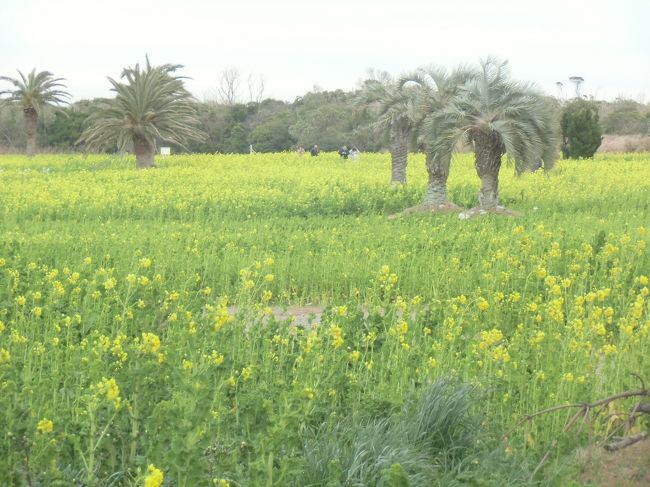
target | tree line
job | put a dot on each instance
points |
(327, 118)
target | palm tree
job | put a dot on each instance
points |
(435, 89)
(391, 102)
(33, 92)
(151, 105)
(498, 116)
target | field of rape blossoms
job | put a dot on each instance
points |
(142, 338)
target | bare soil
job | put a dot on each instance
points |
(499, 210)
(629, 467)
(448, 207)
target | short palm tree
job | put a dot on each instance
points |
(391, 103)
(151, 105)
(498, 116)
(435, 89)
(33, 92)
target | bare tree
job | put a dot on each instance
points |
(255, 88)
(229, 86)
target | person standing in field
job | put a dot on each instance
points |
(314, 151)
(354, 153)
(344, 152)
(301, 151)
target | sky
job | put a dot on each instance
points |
(297, 45)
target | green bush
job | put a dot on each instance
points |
(581, 132)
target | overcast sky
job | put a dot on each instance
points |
(297, 44)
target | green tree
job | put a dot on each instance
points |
(151, 105)
(323, 118)
(237, 141)
(498, 116)
(66, 128)
(273, 134)
(12, 132)
(581, 132)
(33, 93)
(435, 89)
(392, 101)
(625, 117)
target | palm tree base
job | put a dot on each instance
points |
(441, 208)
(497, 210)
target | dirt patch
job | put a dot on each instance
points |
(476, 211)
(629, 467)
(448, 207)
(308, 315)
(625, 143)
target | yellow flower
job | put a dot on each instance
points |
(5, 356)
(336, 333)
(482, 304)
(45, 426)
(187, 365)
(150, 343)
(216, 357)
(110, 389)
(309, 393)
(110, 283)
(154, 478)
(21, 300)
(246, 373)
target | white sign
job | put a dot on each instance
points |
(165, 151)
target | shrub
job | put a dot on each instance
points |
(581, 132)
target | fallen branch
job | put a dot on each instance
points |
(584, 408)
(630, 440)
(588, 413)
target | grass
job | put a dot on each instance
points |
(117, 325)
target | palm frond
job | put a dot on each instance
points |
(151, 103)
(35, 90)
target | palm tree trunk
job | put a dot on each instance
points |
(438, 169)
(144, 151)
(31, 130)
(399, 156)
(488, 150)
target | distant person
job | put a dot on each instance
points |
(250, 148)
(301, 151)
(314, 151)
(344, 152)
(354, 153)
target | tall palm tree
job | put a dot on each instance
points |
(498, 116)
(436, 87)
(151, 105)
(391, 102)
(33, 92)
